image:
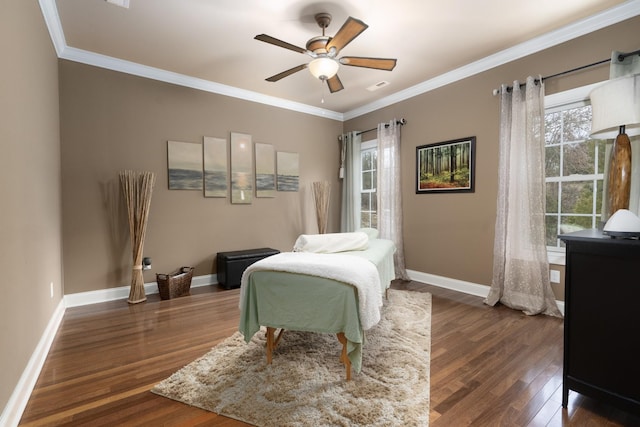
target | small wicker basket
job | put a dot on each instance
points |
(176, 284)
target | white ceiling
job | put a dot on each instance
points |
(210, 44)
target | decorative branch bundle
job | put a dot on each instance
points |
(137, 188)
(321, 193)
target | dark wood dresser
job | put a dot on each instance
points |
(602, 319)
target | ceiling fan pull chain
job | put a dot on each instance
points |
(322, 91)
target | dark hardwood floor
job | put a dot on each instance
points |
(489, 365)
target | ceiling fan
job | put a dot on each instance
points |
(324, 50)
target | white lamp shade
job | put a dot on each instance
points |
(323, 68)
(616, 103)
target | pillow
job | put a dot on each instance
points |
(331, 242)
(372, 233)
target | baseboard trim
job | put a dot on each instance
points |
(104, 295)
(448, 283)
(12, 412)
(459, 285)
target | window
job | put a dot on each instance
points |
(574, 171)
(368, 195)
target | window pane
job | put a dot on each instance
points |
(552, 230)
(599, 194)
(552, 197)
(569, 224)
(553, 128)
(366, 161)
(577, 197)
(552, 160)
(367, 180)
(368, 187)
(576, 123)
(374, 220)
(600, 146)
(374, 201)
(365, 202)
(365, 219)
(579, 158)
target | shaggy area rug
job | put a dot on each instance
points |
(305, 384)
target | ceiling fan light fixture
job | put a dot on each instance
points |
(323, 68)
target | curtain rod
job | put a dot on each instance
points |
(400, 122)
(621, 58)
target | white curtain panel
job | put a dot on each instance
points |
(350, 172)
(390, 192)
(520, 265)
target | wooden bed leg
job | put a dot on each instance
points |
(344, 357)
(270, 343)
(275, 343)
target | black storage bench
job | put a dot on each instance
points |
(231, 265)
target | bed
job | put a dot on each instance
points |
(326, 292)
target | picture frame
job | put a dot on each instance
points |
(216, 167)
(446, 167)
(241, 168)
(265, 170)
(288, 172)
(184, 164)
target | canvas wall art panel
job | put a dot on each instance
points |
(265, 170)
(241, 168)
(184, 160)
(216, 167)
(288, 174)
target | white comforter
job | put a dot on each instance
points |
(358, 272)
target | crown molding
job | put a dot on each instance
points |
(609, 17)
(593, 23)
(128, 67)
(52, 20)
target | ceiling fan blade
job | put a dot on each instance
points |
(284, 74)
(272, 40)
(335, 84)
(350, 30)
(387, 64)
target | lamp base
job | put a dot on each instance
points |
(619, 174)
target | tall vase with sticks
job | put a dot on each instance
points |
(137, 188)
(321, 193)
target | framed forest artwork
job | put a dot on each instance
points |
(446, 167)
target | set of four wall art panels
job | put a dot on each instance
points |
(212, 165)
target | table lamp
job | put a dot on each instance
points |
(616, 114)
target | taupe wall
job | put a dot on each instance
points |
(451, 235)
(30, 214)
(112, 121)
